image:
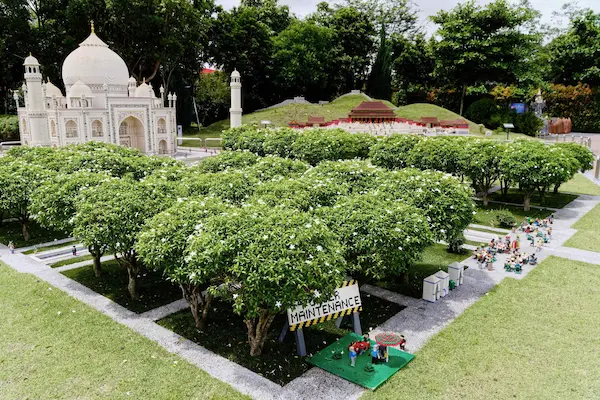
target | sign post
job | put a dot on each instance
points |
(345, 301)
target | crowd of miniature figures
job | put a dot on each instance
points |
(379, 353)
(537, 232)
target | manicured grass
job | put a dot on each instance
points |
(487, 215)
(553, 200)
(154, 290)
(73, 260)
(12, 231)
(54, 347)
(227, 336)
(531, 339)
(52, 247)
(435, 258)
(581, 185)
(588, 231)
(491, 231)
(418, 110)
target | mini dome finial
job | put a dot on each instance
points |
(92, 26)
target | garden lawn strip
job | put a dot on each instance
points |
(506, 345)
(588, 231)
(73, 260)
(51, 247)
(11, 230)
(486, 214)
(434, 258)
(278, 362)
(154, 290)
(581, 185)
(55, 347)
(552, 200)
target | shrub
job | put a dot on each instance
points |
(484, 111)
(316, 145)
(392, 152)
(9, 127)
(527, 123)
(279, 142)
(504, 219)
(582, 154)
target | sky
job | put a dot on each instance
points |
(430, 7)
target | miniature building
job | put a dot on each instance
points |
(431, 289)
(429, 122)
(372, 111)
(101, 104)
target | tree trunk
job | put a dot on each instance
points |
(556, 189)
(132, 285)
(193, 295)
(257, 332)
(527, 202)
(486, 199)
(97, 264)
(26, 235)
(462, 99)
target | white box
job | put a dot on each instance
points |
(457, 273)
(431, 288)
(444, 282)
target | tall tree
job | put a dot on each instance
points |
(413, 63)
(484, 44)
(379, 84)
(393, 16)
(15, 38)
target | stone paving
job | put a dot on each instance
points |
(419, 321)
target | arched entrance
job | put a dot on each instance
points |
(131, 134)
(162, 147)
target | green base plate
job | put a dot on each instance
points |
(357, 374)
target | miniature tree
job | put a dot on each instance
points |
(439, 153)
(111, 214)
(381, 238)
(18, 180)
(446, 202)
(317, 145)
(359, 176)
(162, 243)
(227, 160)
(53, 205)
(392, 152)
(481, 164)
(274, 168)
(560, 168)
(275, 259)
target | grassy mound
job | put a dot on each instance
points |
(339, 108)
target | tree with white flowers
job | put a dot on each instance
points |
(162, 244)
(481, 164)
(275, 259)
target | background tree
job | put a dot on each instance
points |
(275, 258)
(484, 44)
(213, 97)
(392, 152)
(379, 84)
(481, 164)
(412, 65)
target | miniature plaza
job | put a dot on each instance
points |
(418, 321)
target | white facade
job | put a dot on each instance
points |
(101, 104)
(235, 112)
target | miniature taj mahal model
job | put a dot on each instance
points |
(102, 103)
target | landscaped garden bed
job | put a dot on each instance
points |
(72, 260)
(226, 335)
(11, 231)
(154, 290)
(550, 199)
(488, 215)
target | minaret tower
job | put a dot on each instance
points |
(36, 106)
(235, 112)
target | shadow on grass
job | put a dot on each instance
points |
(11, 230)
(154, 290)
(226, 335)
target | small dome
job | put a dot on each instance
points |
(132, 80)
(31, 60)
(143, 90)
(80, 89)
(94, 64)
(235, 74)
(52, 90)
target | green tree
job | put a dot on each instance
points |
(213, 96)
(412, 64)
(574, 56)
(162, 244)
(481, 164)
(379, 84)
(381, 238)
(15, 39)
(583, 155)
(391, 16)
(18, 180)
(480, 44)
(392, 152)
(275, 259)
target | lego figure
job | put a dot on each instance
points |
(11, 247)
(540, 243)
(375, 354)
(402, 343)
(383, 353)
(74, 250)
(490, 262)
(352, 354)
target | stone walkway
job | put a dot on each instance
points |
(419, 321)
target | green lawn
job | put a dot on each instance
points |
(581, 185)
(588, 231)
(154, 290)
(529, 339)
(12, 231)
(227, 336)
(72, 260)
(55, 347)
(487, 215)
(418, 110)
(553, 200)
(434, 258)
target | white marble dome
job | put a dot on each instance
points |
(52, 90)
(80, 89)
(94, 64)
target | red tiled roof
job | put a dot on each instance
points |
(316, 119)
(372, 109)
(428, 120)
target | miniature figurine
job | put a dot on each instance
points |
(375, 354)
(11, 247)
(352, 354)
(402, 343)
(383, 353)
(74, 250)
(540, 243)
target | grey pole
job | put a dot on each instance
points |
(597, 174)
(356, 323)
(300, 345)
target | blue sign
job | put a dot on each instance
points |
(519, 108)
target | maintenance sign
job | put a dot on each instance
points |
(345, 301)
